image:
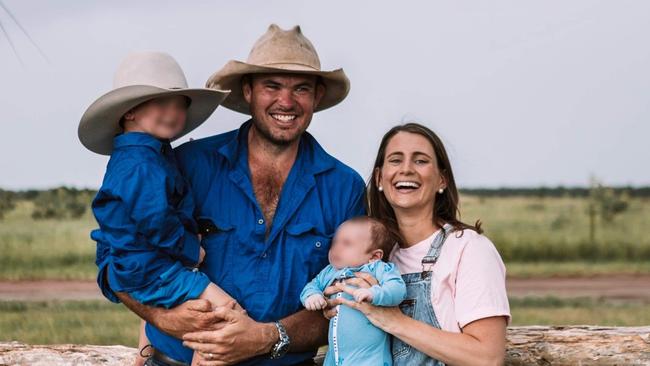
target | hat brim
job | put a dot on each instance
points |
(100, 123)
(337, 84)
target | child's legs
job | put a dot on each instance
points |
(216, 295)
(143, 342)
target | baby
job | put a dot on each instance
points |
(359, 245)
(147, 241)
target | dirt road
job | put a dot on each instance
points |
(616, 287)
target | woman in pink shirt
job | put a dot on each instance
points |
(457, 309)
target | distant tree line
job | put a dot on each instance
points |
(55, 203)
(560, 191)
(66, 202)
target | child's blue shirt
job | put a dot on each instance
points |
(353, 340)
(147, 236)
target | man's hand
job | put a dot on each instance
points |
(239, 338)
(315, 302)
(190, 316)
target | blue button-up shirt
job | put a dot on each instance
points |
(267, 274)
(145, 215)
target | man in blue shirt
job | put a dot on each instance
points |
(269, 200)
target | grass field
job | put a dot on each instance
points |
(535, 236)
(532, 229)
(81, 322)
(100, 322)
(38, 249)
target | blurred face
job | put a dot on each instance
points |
(409, 176)
(351, 246)
(163, 118)
(282, 105)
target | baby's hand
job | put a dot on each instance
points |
(315, 302)
(362, 294)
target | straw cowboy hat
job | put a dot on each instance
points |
(279, 51)
(140, 77)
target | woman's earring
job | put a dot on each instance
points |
(441, 190)
(380, 188)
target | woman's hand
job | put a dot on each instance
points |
(361, 280)
(382, 317)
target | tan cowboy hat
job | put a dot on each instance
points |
(279, 51)
(140, 77)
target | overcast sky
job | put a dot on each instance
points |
(523, 93)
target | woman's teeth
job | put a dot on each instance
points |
(407, 185)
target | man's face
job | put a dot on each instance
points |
(282, 105)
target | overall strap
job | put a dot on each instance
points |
(434, 251)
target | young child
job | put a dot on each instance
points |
(147, 241)
(359, 245)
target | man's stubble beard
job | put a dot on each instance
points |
(267, 135)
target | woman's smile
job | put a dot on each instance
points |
(406, 186)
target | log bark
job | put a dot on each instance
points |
(15, 353)
(578, 345)
(535, 345)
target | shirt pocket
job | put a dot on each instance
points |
(218, 242)
(311, 246)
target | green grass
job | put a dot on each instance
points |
(79, 322)
(532, 229)
(579, 311)
(535, 236)
(38, 249)
(100, 322)
(575, 269)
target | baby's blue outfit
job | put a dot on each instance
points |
(353, 340)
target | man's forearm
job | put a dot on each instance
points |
(148, 313)
(307, 330)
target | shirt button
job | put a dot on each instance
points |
(264, 255)
(318, 244)
(260, 221)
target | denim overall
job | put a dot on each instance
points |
(418, 305)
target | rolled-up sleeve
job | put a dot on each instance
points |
(102, 259)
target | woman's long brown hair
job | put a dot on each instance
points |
(445, 207)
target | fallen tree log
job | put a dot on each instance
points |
(536, 345)
(578, 345)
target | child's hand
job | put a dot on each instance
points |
(315, 302)
(362, 294)
(201, 255)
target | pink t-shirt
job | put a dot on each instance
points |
(468, 281)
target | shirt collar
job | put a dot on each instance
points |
(139, 139)
(311, 156)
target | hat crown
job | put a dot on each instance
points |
(284, 47)
(150, 68)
